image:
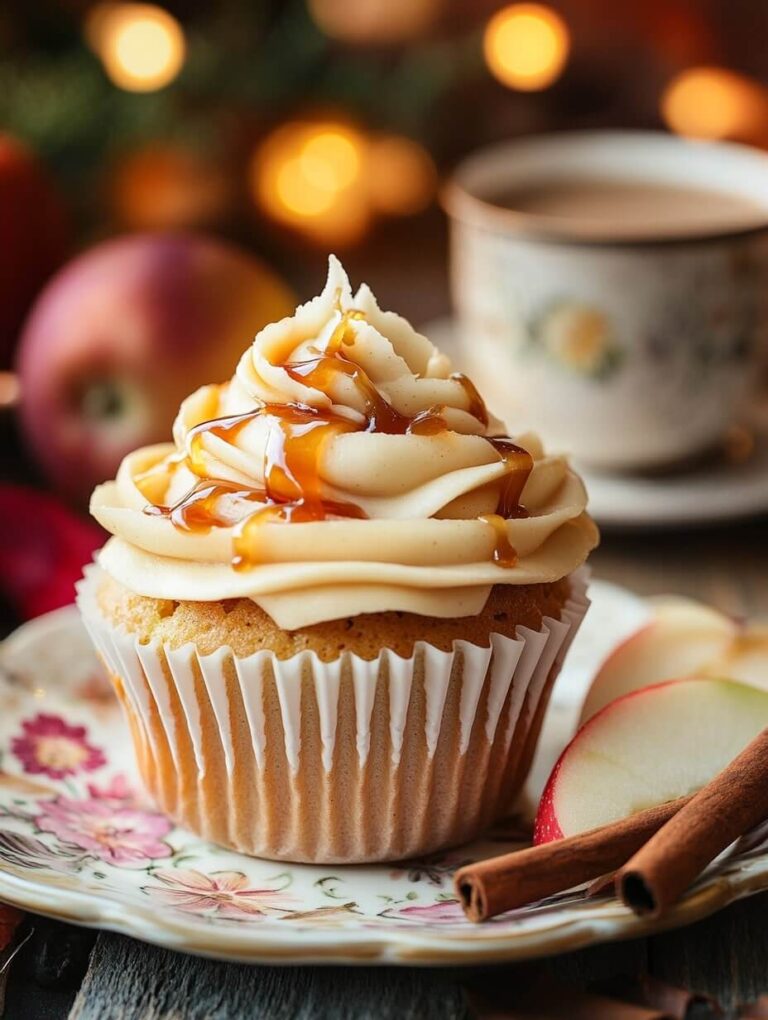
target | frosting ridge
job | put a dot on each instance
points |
(343, 469)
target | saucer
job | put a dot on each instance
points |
(78, 841)
(714, 493)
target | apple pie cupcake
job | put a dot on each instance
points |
(334, 607)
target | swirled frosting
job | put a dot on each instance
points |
(343, 469)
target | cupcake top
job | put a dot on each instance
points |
(344, 469)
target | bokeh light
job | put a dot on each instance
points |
(329, 180)
(309, 175)
(374, 21)
(401, 176)
(141, 46)
(330, 158)
(10, 390)
(712, 102)
(526, 46)
(162, 186)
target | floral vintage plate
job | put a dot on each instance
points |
(77, 841)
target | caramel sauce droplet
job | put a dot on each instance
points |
(475, 403)
(504, 553)
(520, 464)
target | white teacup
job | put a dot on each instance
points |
(630, 346)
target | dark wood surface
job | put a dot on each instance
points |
(66, 972)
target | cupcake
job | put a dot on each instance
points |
(334, 607)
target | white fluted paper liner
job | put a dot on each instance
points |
(344, 761)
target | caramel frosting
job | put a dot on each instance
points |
(344, 469)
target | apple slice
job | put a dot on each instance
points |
(648, 747)
(683, 637)
(746, 659)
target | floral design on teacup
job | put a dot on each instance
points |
(705, 337)
(580, 338)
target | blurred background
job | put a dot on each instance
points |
(289, 128)
(298, 126)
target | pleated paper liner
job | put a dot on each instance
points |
(336, 762)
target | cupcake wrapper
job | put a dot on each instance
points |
(344, 761)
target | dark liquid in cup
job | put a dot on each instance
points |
(613, 208)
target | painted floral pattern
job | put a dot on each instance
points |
(110, 829)
(224, 893)
(445, 911)
(49, 746)
(578, 338)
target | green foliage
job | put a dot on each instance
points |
(247, 62)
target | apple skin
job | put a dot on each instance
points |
(34, 236)
(641, 709)
(546, 828)
(43, 548)
(683, 637)
(122, 334)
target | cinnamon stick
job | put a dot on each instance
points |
(494, 886)
(732, 803)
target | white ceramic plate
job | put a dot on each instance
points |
(709, 493)
(78, 842)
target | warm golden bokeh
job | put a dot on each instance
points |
(141, 46)
(526, 46)
(328, 179)
(712, 102)
(401, 177)
(162, 186)
(309, 175)
(330, 158)
(374, 21)
(10, 390)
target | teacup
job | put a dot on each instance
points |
(630, 338)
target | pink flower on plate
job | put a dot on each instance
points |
(112, 830)
(117, 788)
(223, 893)
(52, 747)
(441, 912)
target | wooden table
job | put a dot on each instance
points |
(67, 972)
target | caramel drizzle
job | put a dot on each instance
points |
(199, 509)
(504, 553)
(475, 403)
(520, 464)
(292, 490)
(320, 374)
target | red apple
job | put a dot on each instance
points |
(43, 548)
(122, 334)
(34, 236)
(649, 747)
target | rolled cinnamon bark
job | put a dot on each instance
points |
(732, 803)
(491, 887)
